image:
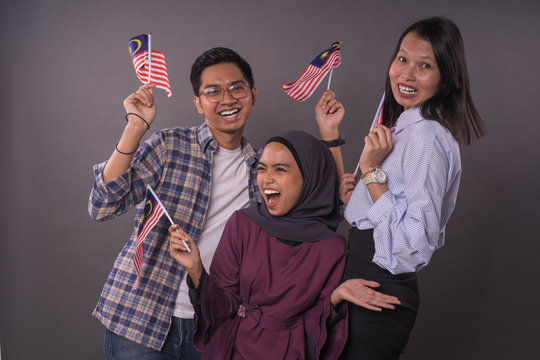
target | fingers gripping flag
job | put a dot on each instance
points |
(153, 209)
(316, 71)
(149, 64)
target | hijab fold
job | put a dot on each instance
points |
(316, 214)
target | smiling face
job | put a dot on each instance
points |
(279, 179)
(414, 74)
(228, 117)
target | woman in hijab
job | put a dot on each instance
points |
(268, 293)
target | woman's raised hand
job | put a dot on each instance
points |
(378, 146)
(329, 112)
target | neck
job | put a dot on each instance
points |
(229, 141)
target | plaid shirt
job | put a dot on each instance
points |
(177, 164)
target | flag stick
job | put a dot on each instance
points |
(167, 214)
(373, 124)
(330, 78)
(149, 58)
(357, 166)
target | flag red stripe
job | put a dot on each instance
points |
(302, 88)
(159, 75)
(138, 258)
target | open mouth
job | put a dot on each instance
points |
(272, 197)
(229, 114)
(407, 90)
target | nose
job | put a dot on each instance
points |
(268, 178)
(227, 97)
(409, 71)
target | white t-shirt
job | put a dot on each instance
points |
(229, 192)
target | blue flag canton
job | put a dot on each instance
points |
(321, 59)
(138, 44)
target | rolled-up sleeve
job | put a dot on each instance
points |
(408, 227)
(109, 199)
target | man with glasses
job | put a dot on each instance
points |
(201, 175)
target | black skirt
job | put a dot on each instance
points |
(373, 334)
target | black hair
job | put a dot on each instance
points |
(216, 56)
(452, 106)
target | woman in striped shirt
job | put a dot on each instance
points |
(411, 169)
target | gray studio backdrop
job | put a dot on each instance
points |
(66, 70)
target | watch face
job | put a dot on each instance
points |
(380, 176)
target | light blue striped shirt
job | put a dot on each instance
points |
(408, 221)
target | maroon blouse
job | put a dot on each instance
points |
(264, 299)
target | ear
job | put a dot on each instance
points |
(197, 102)
(253, 96)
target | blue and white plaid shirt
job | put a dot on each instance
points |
(177, 164)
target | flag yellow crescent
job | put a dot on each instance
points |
(138, 46)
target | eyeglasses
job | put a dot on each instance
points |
(215, 94)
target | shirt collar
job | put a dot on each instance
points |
(408, 117)
(206, 139)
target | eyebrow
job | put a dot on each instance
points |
(421, 56)
(233, 83)
(275, 165)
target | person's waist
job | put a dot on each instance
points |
(254, 316)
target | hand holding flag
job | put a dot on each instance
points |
(153, 210)
(377, 120)
(149, 64)
(316, 71)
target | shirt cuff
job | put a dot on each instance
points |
(381, 207)
(336, 313)
(111, 190)
(195, 293)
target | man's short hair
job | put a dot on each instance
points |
(216, 56)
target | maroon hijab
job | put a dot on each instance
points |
(316, 214)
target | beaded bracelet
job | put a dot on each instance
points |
(125, 153)
(140, 117)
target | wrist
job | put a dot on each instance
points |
(329, 133)
(135, 130)
(365, 170)
(195, 273)
(336, 297)
(138, 118)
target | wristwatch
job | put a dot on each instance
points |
(375, 175)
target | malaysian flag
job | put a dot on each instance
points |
(139, 47)
(306, 84)
(153, 209)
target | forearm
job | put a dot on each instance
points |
(332, 133)
(119, 163)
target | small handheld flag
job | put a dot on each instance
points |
(377, 120)
(149, 64)
(315, 72)
(153, 210)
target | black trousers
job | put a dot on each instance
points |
(372, 334)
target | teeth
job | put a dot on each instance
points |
(229, 113)
(271, 192)
(407, 90)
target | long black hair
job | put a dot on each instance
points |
(452, 105)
